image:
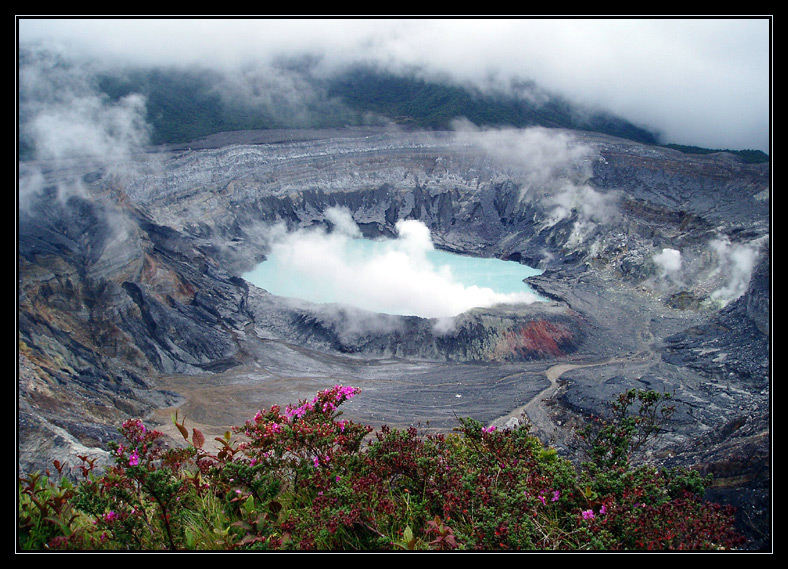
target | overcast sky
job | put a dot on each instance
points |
(697, 81)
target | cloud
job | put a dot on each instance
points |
(66, 117)
(538, 156)
(669, 262)
(590, 205)
(89, 127)
(342, 221)
(71, 129)
(394, 276)
(702, 81)
(552, 167)
(736, 263)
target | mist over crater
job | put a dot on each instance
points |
(404, 275)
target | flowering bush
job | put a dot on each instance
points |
(302, 478)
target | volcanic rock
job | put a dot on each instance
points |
(655, 270)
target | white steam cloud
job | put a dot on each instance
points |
(538, 156)
(395, 278)
(67, 122)
(669, 262)
(553, 167)
(64, 117)
(89, 127)
(736, 264)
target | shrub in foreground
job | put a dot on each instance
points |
(303, 478)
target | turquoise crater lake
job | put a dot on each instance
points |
(405, 275)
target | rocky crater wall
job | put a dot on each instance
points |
(654, 261)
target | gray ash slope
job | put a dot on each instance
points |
(656, 266)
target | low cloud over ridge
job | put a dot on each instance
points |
(699, 81)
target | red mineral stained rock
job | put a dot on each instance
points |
(537, 339)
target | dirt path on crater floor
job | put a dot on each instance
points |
(536, 411)
(214, 404)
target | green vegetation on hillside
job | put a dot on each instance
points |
(411, 100)
(748, 156)
(184, 105)
(302, 478)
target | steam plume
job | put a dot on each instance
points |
(395, 276)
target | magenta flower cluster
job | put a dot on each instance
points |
(139, 439)
(556, 495)
(300, 479)
(327, 401)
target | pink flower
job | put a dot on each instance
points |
(588, 515)
(298, 412)
(134, 459)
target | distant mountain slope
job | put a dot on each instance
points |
(184, 105)
(412, 100)
(748, 156)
